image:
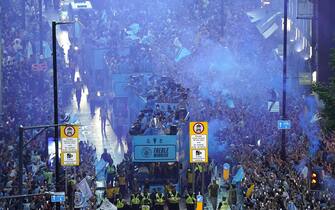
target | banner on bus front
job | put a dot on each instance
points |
(155, 148)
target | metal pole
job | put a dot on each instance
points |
(283, 135)
(193, 178)
(1, 114)
(203, 180)
(315, 37)
(66, 186)
(21, 196)
(20, 172)
(54, 59)
(180, 170)
(40, 10)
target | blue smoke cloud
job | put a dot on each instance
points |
(215, 145)
(310, 128)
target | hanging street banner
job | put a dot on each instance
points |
(69, 135)
(198, 142)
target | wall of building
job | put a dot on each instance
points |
(326, 37)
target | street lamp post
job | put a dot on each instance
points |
(55, 87)
(283, 110)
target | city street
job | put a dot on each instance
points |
(167, 105)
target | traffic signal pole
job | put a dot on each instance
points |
(21, 145)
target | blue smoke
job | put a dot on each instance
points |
(215, 145)
(311, 129)
(329, 183)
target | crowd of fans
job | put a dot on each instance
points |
(244, 127)
(27, 93)
(247, 132)
(278, 184)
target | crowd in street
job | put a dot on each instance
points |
(241, 124)
(27, 96)
(247, 132)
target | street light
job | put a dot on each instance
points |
(55, 86)
(283, 111)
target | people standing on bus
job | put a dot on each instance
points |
(173, 200)
(135, 201)
(146, 201)
(190, 201)
(79, 88)
(223, 205)
(159, 201)
(213, 193)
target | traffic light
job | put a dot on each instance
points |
(315, 180)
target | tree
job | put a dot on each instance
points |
(326, 93)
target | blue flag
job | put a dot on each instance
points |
(183, 53)
(230, 103)
(239, 176)
(100, 168)
(46, 50)
(133, 29)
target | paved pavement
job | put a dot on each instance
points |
(91, 127)
(90, 130)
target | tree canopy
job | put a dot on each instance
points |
(326, 93)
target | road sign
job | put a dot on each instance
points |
(57, 197)
(284, 124)
(70, 145)
(198, 142)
